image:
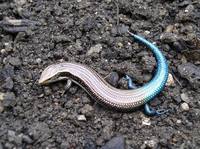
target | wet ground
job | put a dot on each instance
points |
(35, 34)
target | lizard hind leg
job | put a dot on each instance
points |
(147, 109)
(131, 85)
(152, 112)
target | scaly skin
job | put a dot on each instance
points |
(103, 92)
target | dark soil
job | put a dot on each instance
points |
(35, 116)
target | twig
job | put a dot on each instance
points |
(175, 78)
(117, 5)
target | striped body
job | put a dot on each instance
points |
(103, 92)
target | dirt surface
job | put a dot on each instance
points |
(85, 31)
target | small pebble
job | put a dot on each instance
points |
(147, 32)
(151, 144)
(190, 72)
(177, 46)
(3, 51)
(95, 49)
(9, 145)
(169, 28)
(89, 144)
(115, 143)
(85, 100)
(64, 145)
(81, 118)
(8, 84)
(72, 90)
(8, 46)
(176, 95)
(146, 60)
(146, 121)
(122, 29)
(27, 139)
(189, 8)
(12, 137)
(2, 96)
(185, 97)
(120, 44)
(20, 2)
(178, 121)
(170, 81)
(6, 43)
(113, 78)
(146, 77)
(15, 61)
(9, 100)
(47, 91)
(168, 37)
(38, 60)
(87, 110)
(99, 141)
(185, 106)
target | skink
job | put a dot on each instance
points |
(103, 92)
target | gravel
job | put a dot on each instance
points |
(35, 116)
(190, 72)
(151, 144)
(170, 81)
(95, 49)
(185, 97)
(87, 110)
(15, 61)
(81, 118)
(185, 107)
